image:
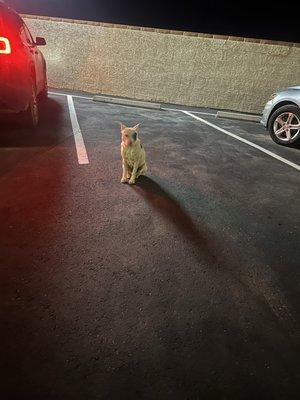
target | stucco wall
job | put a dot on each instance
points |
(166, 66)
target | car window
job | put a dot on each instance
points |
(13, 21)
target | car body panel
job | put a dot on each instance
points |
(289, 95)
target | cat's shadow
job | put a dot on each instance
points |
(166, 204)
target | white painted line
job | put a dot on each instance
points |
(79, 142)
(196, 112)
(256, 146)
(73, 95)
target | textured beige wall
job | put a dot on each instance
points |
(166, 66)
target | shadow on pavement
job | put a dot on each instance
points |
(47, 133)
(165, 203)
(206, 247)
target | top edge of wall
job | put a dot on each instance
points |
(165, 31)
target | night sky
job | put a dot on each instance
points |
(264, 19)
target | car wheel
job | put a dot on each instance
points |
(284, 125)
(31, 115)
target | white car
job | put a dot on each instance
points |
(281, 116)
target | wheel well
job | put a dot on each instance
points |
(282, 103)
(33, 74)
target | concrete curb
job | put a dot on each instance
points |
(127, 102)
(239, 116)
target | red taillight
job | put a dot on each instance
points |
(4, 46)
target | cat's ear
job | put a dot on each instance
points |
(122, 126)
(136, 128)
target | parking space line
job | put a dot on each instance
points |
(79, 142)
(262, 149)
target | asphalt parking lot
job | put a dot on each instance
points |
(185, 286)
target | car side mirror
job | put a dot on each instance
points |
(40, 41)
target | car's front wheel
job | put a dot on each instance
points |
(31, 115)
(284, 125)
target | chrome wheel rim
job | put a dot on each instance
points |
(287, 127)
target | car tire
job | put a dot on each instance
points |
(44, 93)
(280, 125)
(30, 117)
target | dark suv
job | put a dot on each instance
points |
(23, 78)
